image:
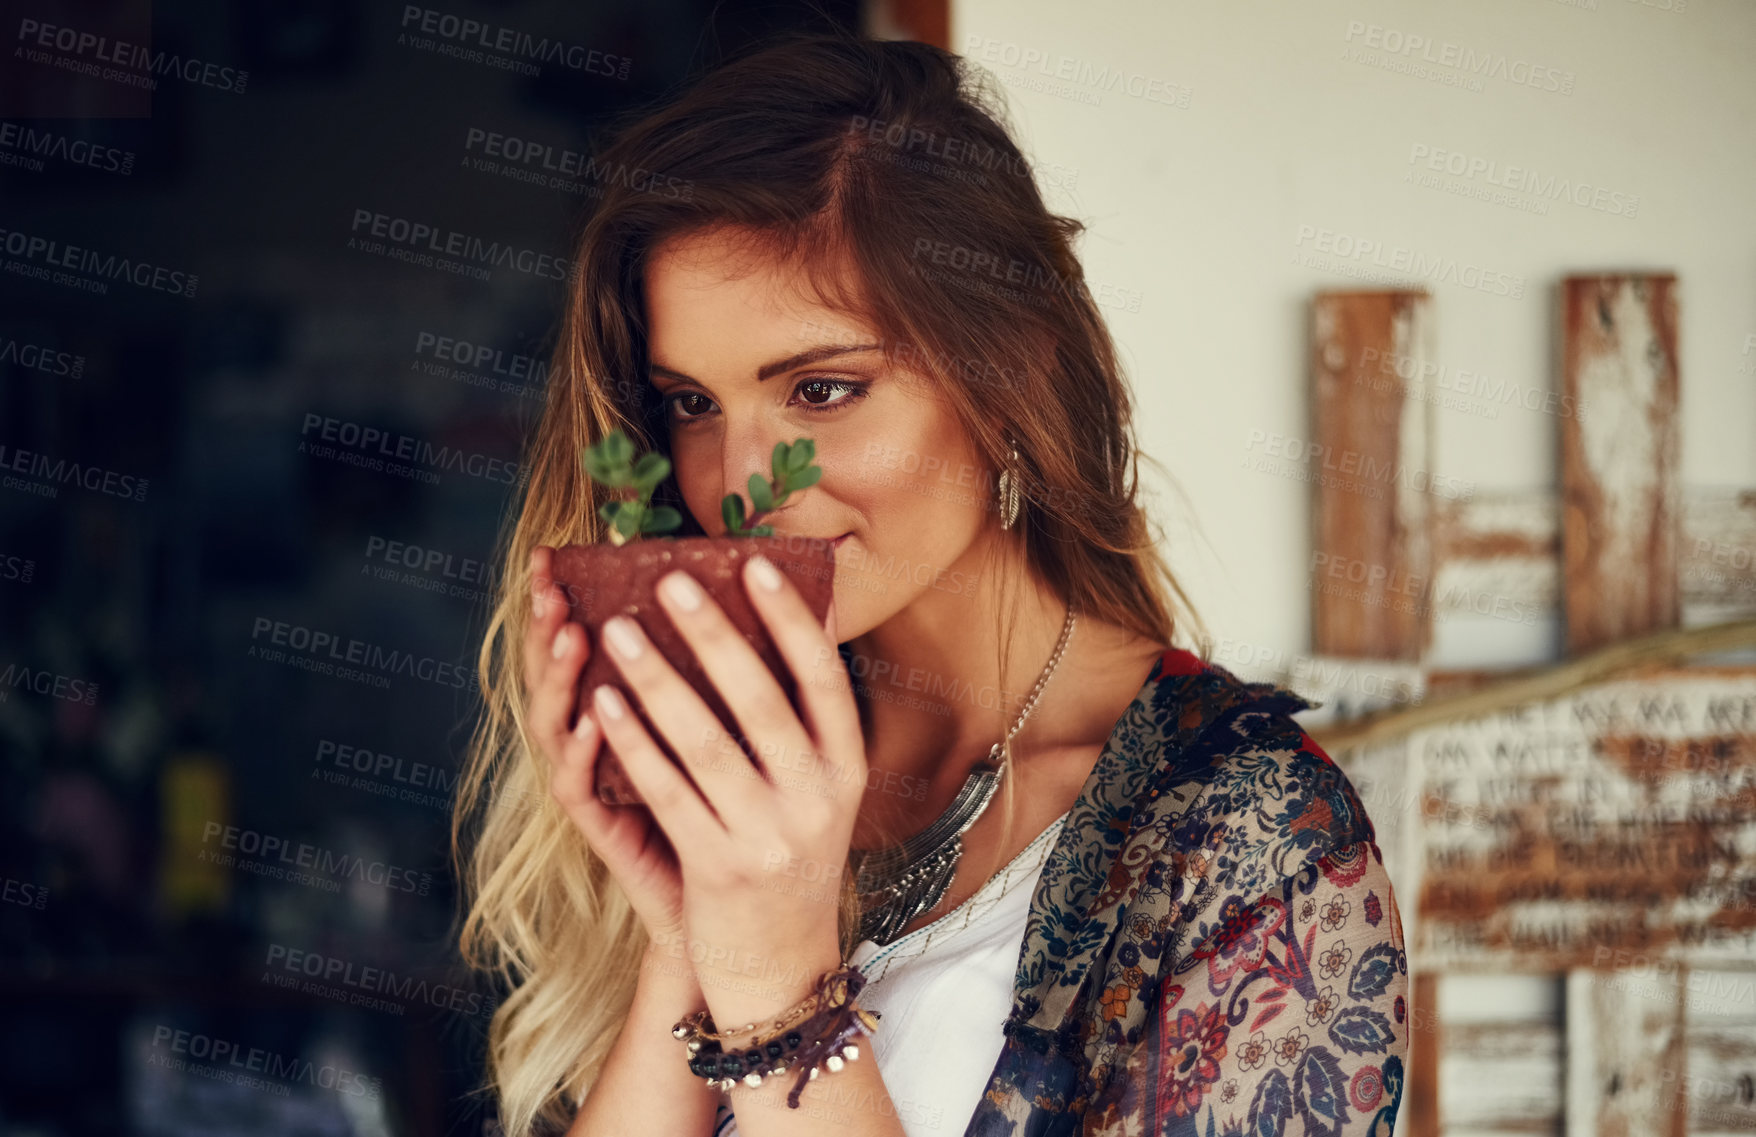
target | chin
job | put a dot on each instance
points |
(860, 607)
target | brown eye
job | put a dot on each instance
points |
(695, 410)
(816, 392)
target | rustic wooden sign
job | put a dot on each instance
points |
(1620, 819)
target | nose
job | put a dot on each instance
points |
(746, 450)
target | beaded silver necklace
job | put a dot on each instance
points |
(899, 882)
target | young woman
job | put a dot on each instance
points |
(1175, 918)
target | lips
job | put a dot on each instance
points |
(832, 542)
(800, 541)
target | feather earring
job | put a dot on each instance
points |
(1008, 492)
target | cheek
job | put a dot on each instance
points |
(924, 485)
(948, 480)
(695, 469)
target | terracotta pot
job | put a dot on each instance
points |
(601, 581)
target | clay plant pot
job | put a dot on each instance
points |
(603, 580)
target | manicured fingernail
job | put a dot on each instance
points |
(609, 701)
(623, 638)
(585, 726)
(682, 591)
(767, 576)
(563, 640)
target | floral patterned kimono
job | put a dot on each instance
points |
(1213, 947)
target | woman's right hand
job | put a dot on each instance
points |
(626, 837)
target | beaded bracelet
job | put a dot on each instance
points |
(699, 1026)
(824, 1040)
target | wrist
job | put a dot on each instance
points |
(821, 1032)
(667, 982)
(767, 987)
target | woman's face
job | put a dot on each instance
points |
(743, 357)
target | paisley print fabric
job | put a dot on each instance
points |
(1213, 947)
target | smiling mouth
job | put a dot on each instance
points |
(833, 543)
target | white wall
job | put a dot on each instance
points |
(1253, 129)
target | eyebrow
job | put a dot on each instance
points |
(782, 366)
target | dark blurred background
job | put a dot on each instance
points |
(238, 628)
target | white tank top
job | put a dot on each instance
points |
(944, 992)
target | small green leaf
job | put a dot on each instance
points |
(608, 511)
(650, 471)
(618, 448)
(780, 459)
(731, 510)
(804, 451)
(629, 517)
(604, 468)
(805, 479)
(760, 495)
(661, 519)
(595, 464)
(760, 531)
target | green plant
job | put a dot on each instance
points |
(611, 462)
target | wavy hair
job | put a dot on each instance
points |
(826, 149)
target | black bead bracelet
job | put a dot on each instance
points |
(824, 1040)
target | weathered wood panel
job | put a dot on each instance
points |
(1506, 546)
(1498, 554)
(1719, 1013)
(1502, 1066)
(1426, 1045)
(1719, 1081)
(1712, 1078)
(1619, 486)
(928, 21)
(1572, 832)
(1718, 554)
(1625, 1060)
(1372, 435)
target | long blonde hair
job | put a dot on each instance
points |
(815, 145)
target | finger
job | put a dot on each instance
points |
(574, 786)
(548, 611)
(809, 648)
(553, 697)
(750, 690)
(571, 780)
(727, 780)
(676, 806)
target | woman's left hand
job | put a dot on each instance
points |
(761, 857)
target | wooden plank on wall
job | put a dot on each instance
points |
(928, 21)
(1371, 470)
(1426, 1044)
(1718, 557)
(1499, 552)
(1619, 457)
(1502, 1069)
(1719, 1014)
(1581, 831)
(1625, 1060)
